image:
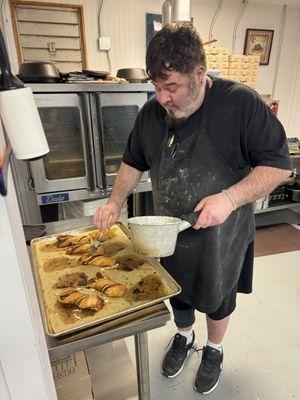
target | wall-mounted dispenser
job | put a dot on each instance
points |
(19, 113)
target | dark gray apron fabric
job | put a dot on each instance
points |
(207, 263)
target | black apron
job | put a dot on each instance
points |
(207, 263)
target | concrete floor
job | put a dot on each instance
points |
(262, 345)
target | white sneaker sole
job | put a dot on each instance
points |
(210, 390)
(189, 353)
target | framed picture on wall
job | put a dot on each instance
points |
(258, 42)
(153, 25)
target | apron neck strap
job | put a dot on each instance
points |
(205, 106)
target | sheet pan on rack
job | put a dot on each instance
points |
(146, 281)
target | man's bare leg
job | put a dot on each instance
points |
(216, 329)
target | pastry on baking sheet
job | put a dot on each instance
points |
(82, 300)
(107, 286)
(87, 257)
(56, 268)
(79, 248)
(71, 240)
(103, 262)
(65, 240)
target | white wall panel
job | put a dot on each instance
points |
(124, 22)
(288, 84)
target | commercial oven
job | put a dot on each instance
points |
(87, 126)
(70, 163)
(113, 117)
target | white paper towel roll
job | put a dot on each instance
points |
(22, 123)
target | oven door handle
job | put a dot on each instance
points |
(90, 156)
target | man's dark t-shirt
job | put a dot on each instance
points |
(240, 125)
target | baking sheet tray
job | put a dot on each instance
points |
(59, 320)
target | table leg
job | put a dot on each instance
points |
(142, 365)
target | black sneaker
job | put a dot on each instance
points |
(208, 373)
(179, 351)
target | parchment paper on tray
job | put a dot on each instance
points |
(85, 278)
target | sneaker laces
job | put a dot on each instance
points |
(197, 350)
(172, 338)
(177, 349)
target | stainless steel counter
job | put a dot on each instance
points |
(134, 324)
(91, 86)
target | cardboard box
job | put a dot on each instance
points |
(224, 72)
(72, 377)
(72, 366)
(253, 59)
(237, 57)
(82, 390)
(217, 65)
(216, 50)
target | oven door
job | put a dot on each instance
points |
(70, 163)
(116, 114)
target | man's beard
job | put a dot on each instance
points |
(172, 122)
(187, 107)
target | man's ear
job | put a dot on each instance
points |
(200, 71)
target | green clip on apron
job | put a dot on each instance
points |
(207, 263)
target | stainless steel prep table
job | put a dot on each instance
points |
(136, 323)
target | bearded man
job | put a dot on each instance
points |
(212, 146)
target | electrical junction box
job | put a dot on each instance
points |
(104, 43)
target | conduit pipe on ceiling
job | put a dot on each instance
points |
(100, 12)
(167, 12)
(210, 36)
(283, 18)
(245, 3)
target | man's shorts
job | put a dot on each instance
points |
(184, 314)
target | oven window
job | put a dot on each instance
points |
(63, 130)
(118, 122)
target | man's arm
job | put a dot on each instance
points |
(126, 180)
(260, 181)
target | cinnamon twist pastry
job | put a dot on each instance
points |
(97, 260)
(108, 287)
(65, 240)
(87, 257)
(70, 240)
(79, 249)
(82, 300)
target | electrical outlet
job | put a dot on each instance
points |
(104, 43)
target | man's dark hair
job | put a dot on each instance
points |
(174, 48)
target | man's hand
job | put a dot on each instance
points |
(126, 180)
(214, 209)
(106, 216)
